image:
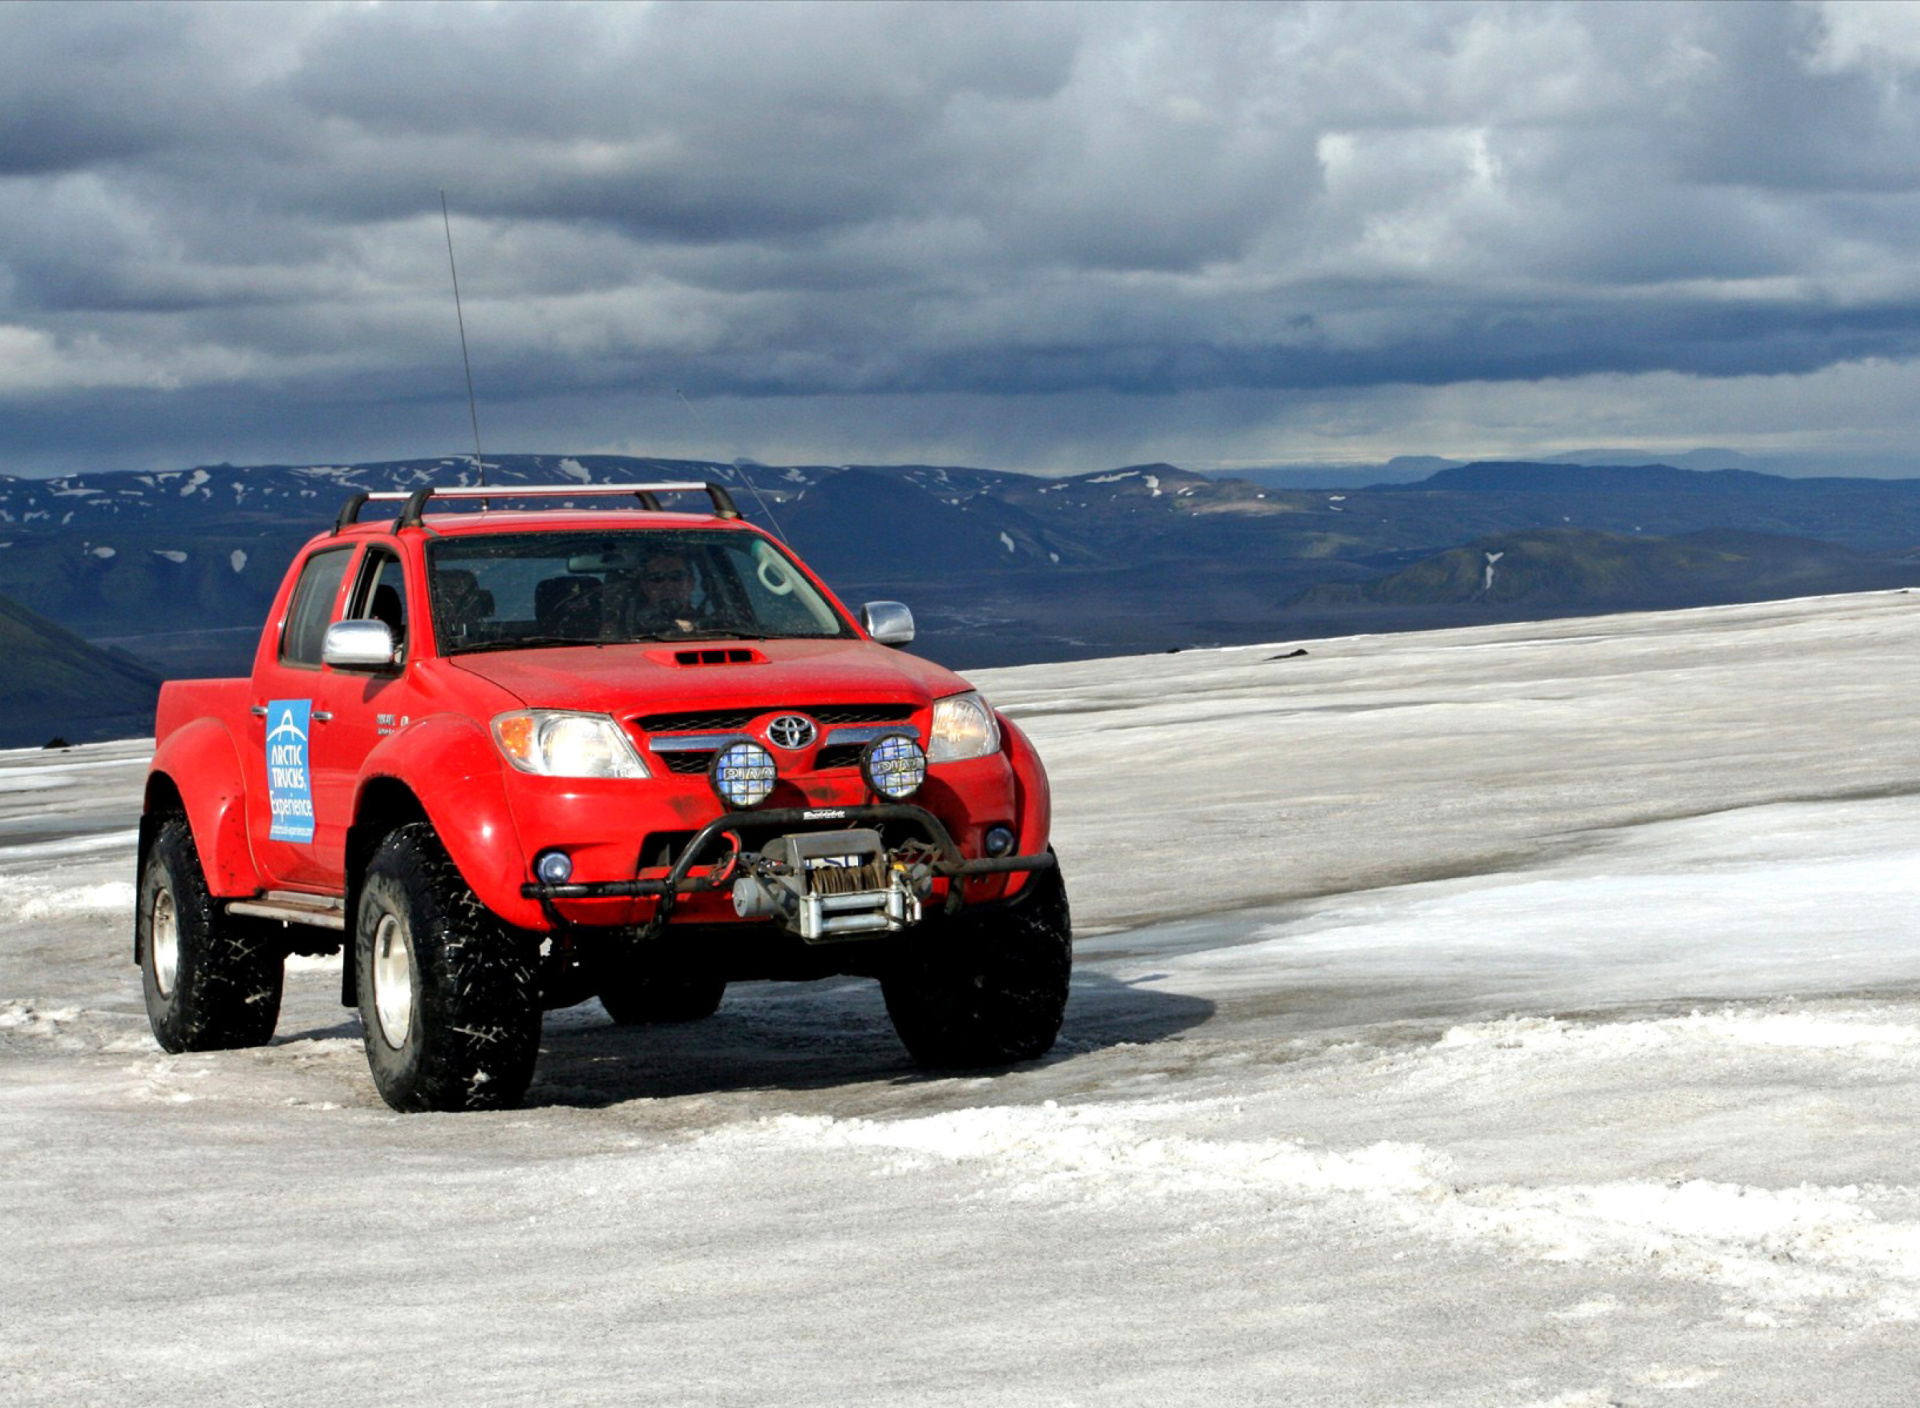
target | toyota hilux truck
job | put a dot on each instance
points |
(513, 753)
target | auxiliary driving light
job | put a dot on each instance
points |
(999, 841)
(553, 867)
(894, 765)
(743, 774)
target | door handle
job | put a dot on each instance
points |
(321, 716)
(259, 711)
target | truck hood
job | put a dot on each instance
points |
(632, 679)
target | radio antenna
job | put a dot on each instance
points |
(740, 464)
(473, 409)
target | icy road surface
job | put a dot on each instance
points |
(1521, 1016)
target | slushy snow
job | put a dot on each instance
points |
(1517, 1016)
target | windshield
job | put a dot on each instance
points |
(512, 590)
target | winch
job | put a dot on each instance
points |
(832, 884)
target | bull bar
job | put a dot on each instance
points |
(679, 881)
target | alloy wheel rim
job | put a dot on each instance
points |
(393, 980)
(163, 936)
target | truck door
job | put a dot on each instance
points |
(288, 711)
(362, 706)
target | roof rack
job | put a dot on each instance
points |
(416, 499)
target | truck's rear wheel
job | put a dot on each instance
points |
(987, 990)
(449, 995)
(211, 983)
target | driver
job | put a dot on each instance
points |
(663, 593)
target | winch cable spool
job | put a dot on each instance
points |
(848, 879)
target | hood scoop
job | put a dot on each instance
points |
(708, 655)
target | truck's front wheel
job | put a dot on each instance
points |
(449, 995)
(211, 983)
(986, 990)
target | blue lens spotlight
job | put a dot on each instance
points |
(743, 774)
(894, 765)
(553, 867)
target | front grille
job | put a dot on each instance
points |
(841, 755)
(720, 720)
(859, 713)
(698, 720)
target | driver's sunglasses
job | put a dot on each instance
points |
(656, 579)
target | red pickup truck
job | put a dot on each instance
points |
(512, 757)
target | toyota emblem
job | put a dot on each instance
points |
(791, 731)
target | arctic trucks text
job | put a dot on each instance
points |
(508, 760)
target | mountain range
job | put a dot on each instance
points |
(177, 568)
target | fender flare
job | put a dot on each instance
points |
(1033, 796)
(456, 776)
(200, 764)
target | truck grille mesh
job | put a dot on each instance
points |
(685, 762)
(826, 715)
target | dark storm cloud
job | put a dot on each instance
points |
(218, 219)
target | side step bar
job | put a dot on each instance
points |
(289, 907)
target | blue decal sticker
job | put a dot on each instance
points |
(289, 782)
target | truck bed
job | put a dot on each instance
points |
(183, 701)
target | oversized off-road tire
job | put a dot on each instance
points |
(449, 995)
(212, 983)
(986, 990)
(633, 996)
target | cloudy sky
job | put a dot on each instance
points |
(1041, 237)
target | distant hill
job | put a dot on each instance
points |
(1565, 569)
(55, 684)
(1401, 469)
(179, 567)
(1868, 515)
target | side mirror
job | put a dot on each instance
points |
(888, 622)
(359, 645)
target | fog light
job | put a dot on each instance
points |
(743, 774)
(553, 867)
(894, 765)
(999, 841)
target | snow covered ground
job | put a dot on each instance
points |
(1519, 1016)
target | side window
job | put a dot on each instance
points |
(770, 581)
(312, 610)
(381, 595)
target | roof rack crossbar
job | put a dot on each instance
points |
(416, 499)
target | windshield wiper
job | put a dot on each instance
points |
(704, 633)
(520, 642)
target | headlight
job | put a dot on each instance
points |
(963, 727)
(557, 743)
